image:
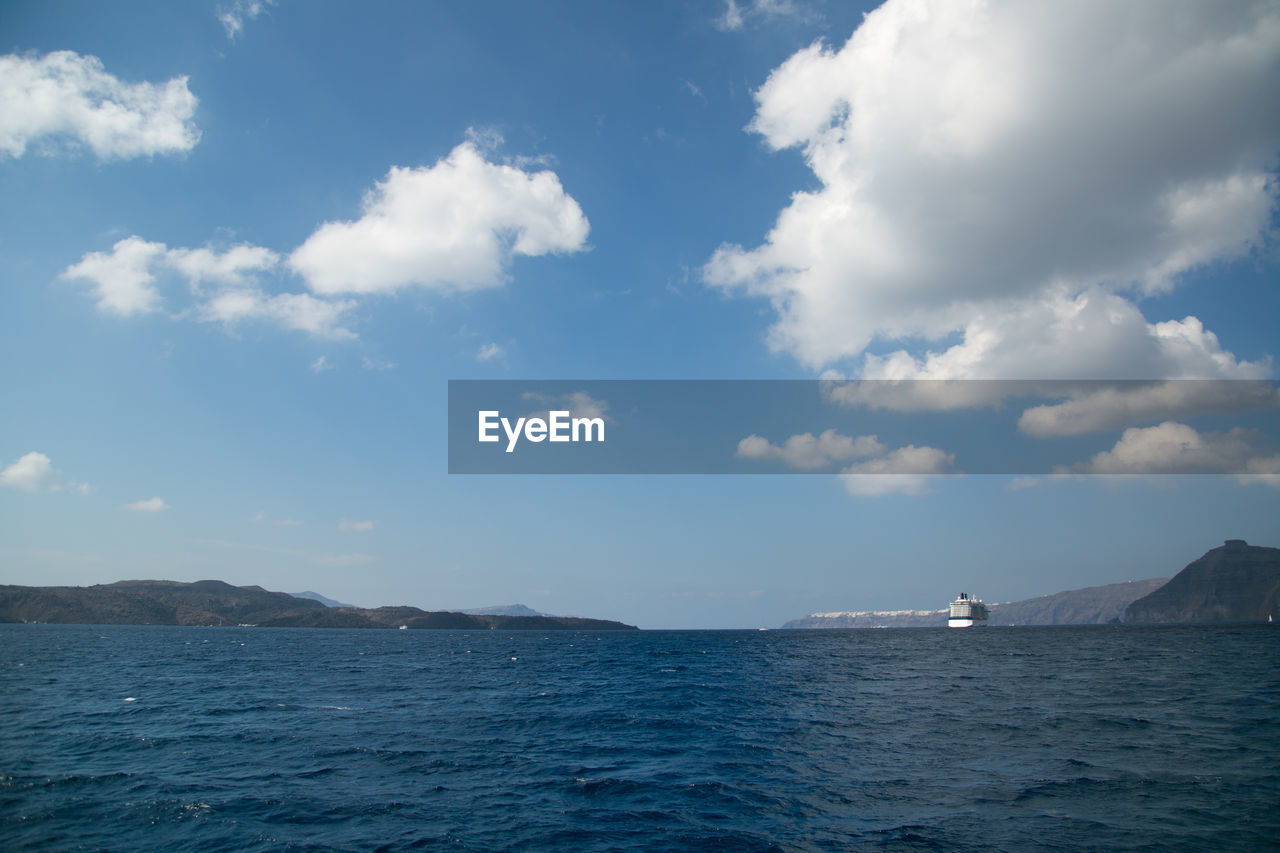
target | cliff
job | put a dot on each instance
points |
(1094, 605)
(1236, 582)
(150, 602)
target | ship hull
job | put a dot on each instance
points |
(966, 623)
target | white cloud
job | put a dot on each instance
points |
(736, 16)
(349, 526)
(148, 505)
(807, 452)
(579, 404)
(34, 472)
(377, 364)
(233, 17)
(123, 281)
(1174, 448)
(879, 471)
(1019, 174)
(456, 225)
(69, 97)
(452, 226)
(320, 365)
(732, 18)
(1095, 334)
(298, 311)
(1112, 406)
(229, 267)
(905, 470)
(920, 395)
(125, 284)
(1261, 470)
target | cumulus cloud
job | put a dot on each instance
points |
(349, 526)
(122, 279)
(34, 472)
(1175, 448)
(1111, 406)
(321, 364)
(232, 266)
(1080, 406)
(68, 98)
(920, 395)
(30, 473)
(807, 452)
(905, 470)
(1016, 175)
(148, 505)
(222, 284)
(1095, 334)
(877, 471)
(297, 311)
(453, 226)
(490, 352)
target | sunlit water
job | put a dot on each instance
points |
(128, 738)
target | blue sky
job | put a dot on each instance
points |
(245, 246)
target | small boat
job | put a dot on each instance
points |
(966, 612)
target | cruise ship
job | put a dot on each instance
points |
(966, 612)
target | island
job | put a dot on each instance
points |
(216, 603)
(1236, 582)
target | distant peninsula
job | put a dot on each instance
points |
(215, 603)
(1236, 582)
(1094, 605)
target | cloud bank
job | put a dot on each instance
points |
(453, 226)
(874, 469)
(66, 97)
(223, 287)
(1174, 448)
(1016, 175)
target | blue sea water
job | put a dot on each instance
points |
(1106, 738)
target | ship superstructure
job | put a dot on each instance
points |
(966, 612)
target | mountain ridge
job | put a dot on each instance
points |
(217, 603)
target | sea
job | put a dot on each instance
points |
(245, 739)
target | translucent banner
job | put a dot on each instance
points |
(864, 427)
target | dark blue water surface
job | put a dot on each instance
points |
(128, 738)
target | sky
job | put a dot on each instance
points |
(245, 246)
